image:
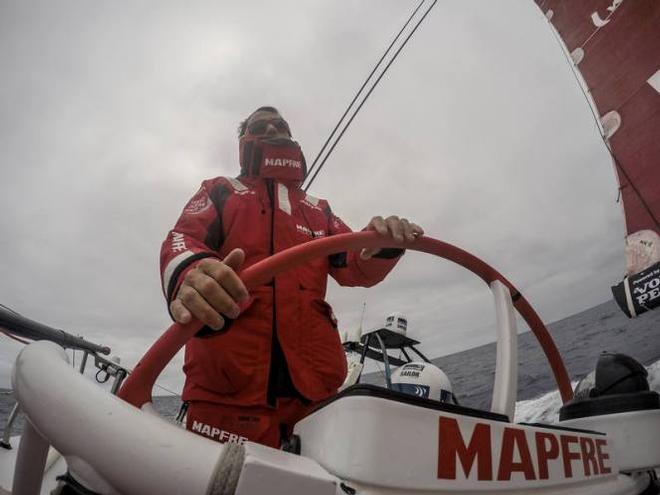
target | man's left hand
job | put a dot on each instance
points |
(399, 229)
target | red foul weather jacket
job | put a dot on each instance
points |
(264, 216)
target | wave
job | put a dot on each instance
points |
(545, 409)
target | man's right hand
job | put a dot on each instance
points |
(210, 290)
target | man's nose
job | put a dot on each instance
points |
(271, 130)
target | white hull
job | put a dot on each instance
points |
(367, 444)
(363, 441)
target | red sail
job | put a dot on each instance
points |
(615, 46)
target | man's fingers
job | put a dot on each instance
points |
(400, 229)
(411, 230)
(214, 294)
(235, 259)
(378, 224)
(224, 275)
(179, 312)
(367, 253)
(395, 227)
(417, 230)
(199, 307)
(407, 230)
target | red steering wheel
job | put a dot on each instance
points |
(137, 388)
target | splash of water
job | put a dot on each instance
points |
(545, 409)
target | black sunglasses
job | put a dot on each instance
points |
(259, 127)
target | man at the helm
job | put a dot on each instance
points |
(264, 358)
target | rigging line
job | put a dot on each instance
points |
(167, 390)
(368, 94)
(617, 163)
(363, 86)
(620, 167)
(606, 22)
(155, 384)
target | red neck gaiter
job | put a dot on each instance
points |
(280, 159)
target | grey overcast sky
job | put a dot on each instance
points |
(112, 113)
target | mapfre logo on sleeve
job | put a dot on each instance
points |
(200, 202)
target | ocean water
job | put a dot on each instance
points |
(580, 339)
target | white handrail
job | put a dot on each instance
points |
(122, 447)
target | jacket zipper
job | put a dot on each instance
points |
(271, 384)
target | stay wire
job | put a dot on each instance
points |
(367, 96)
(175, 394)
(364, 84)
(156, 384)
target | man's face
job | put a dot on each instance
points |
(267, 124)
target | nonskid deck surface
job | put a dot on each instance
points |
(56, 467)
